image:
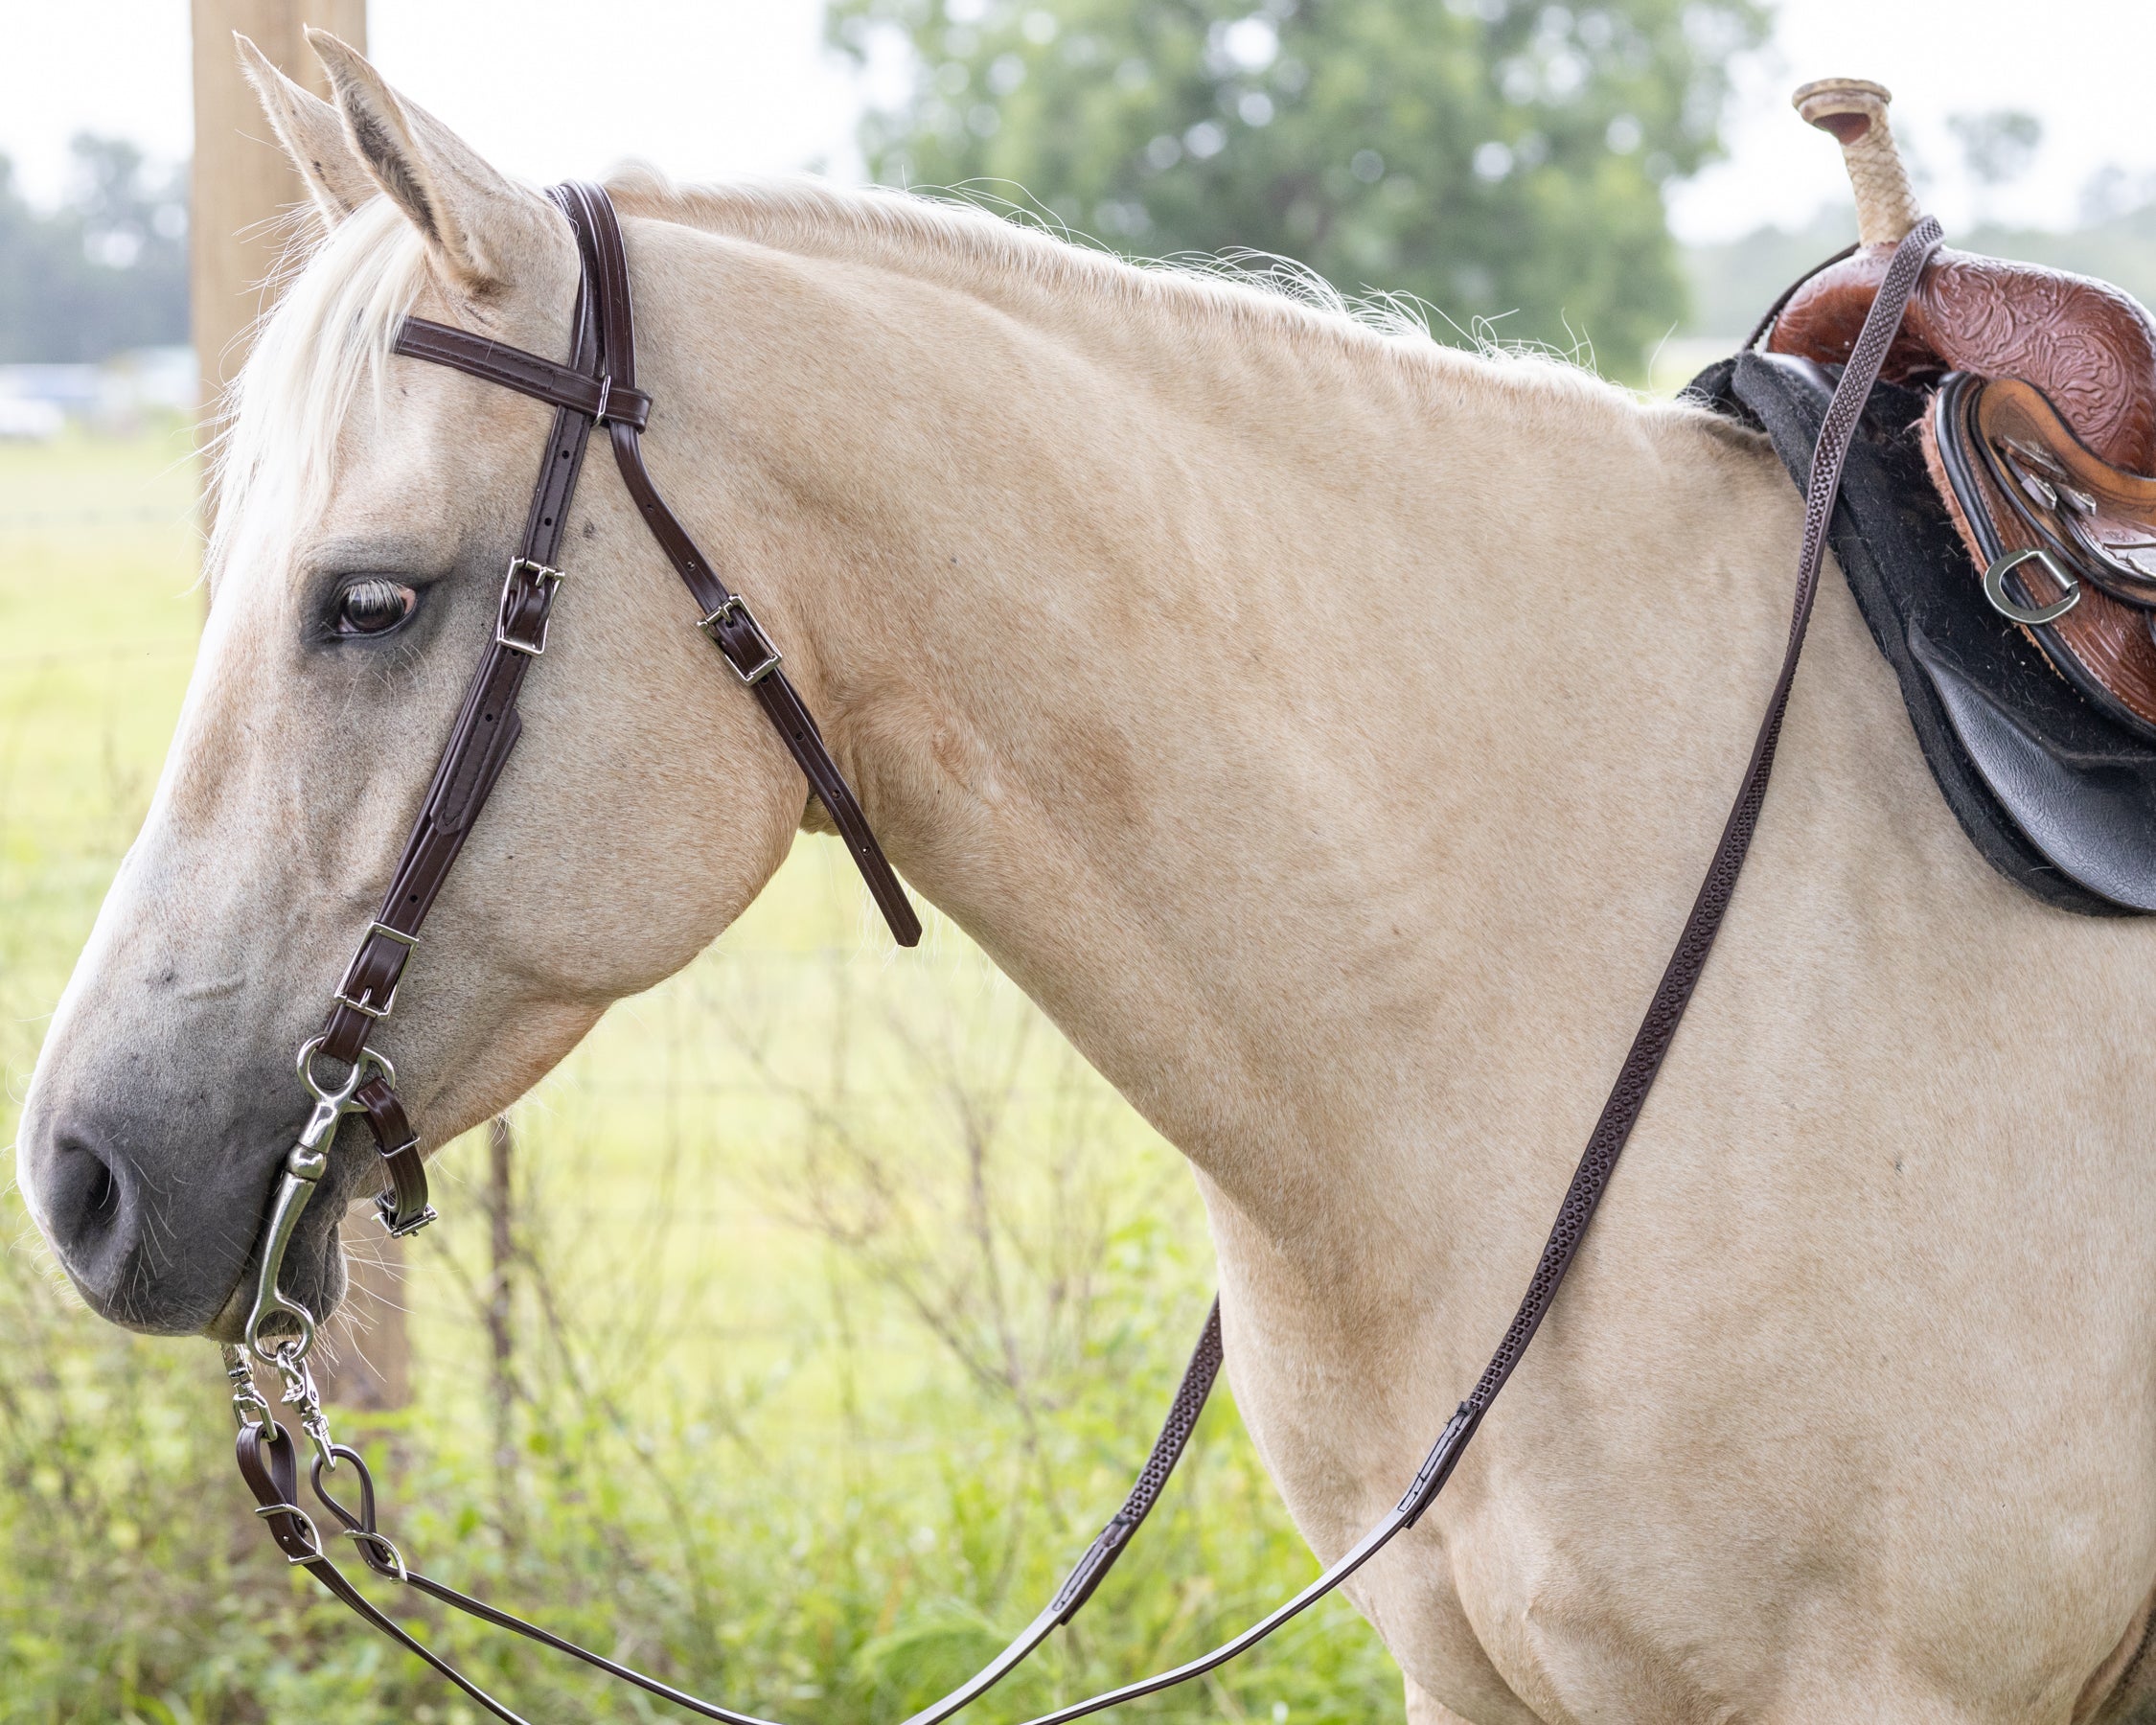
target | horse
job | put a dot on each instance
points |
(1326, 728)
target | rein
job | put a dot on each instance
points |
(598, 387)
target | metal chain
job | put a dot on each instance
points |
(297, 1390)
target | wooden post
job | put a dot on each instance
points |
(241, 182)
(367, 1367)
(243, 186)
(501, 1335)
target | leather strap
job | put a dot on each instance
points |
(527, 374)
(485, 730)
(1108, 1544)
(260, 1461)
(486, 724)
(725, 616)
(269, 1470)
(597, 386)
(269, 1466)
(404, 1205)
(1666, 1011)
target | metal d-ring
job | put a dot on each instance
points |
(2011, 608)
(343, 1094)
(385, 1547)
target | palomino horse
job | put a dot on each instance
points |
(1327, 729)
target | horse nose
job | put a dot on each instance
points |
(91, 1203)
(154, 1229)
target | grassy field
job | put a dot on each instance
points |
(842, 1300)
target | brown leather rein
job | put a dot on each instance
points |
(599, 387)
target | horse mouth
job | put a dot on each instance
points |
(311, 1274)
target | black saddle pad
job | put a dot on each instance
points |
(2059, 798)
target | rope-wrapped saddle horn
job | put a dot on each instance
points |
(1855, 110)
(2089, 347)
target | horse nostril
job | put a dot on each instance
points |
(87, 1207)
(144, 1246)
(102, 1200)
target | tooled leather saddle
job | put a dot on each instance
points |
(1998, 527)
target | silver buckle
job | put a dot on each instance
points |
(385, 1202)
(305, 1521)
(549, 578)
(606, 394)
(363, 1007)
(385, 1206)
(735, 605)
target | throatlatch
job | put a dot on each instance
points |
(599, 388)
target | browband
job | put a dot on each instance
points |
(597, 398)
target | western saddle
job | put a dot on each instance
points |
(2039, 429)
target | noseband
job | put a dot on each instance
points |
(598, 387)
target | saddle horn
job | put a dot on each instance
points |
(1854, 110)
(2039, 429)
(2089, 347)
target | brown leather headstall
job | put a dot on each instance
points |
(597, 387)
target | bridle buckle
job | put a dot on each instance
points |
(385, 1202)
(547, 579)
(366, 1008)
(736, 606)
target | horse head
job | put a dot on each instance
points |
(366, 508)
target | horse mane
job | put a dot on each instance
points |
(330, 334)
(345, 292)
(926, 233)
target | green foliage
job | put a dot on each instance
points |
(1503, 161)
(105, 271)
(821, 1572)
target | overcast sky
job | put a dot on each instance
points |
(709, 87)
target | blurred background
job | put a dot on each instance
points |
(795, 1334)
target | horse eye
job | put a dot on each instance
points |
(373, 606)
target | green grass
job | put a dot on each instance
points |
(843, 1299)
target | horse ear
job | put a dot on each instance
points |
(475, 223)
(312, 134)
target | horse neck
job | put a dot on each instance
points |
(1227, 673)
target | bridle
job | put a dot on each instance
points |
(598, 387)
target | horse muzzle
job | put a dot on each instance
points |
(157, 1232)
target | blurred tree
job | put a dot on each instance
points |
(1997, 147)
(1503, 159)
(105, 271)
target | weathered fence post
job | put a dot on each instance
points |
(241, 182)
(501, 1336)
